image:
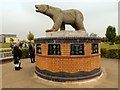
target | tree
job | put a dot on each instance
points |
(104, 39)
(11, 40)
(23, 41)
(30, 36)
(117, 39)
(93, 35)
(111, 34)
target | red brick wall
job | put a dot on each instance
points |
(87, 48)
(65, 49)
(67, 63)
(44, 49)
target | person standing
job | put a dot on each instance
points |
(17, 54)
(11, 45)
(32, 52)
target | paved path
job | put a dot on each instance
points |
(26, 77)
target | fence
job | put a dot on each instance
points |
(5, 53)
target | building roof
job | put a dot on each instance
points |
(8, 35)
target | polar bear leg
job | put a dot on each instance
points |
(74, 26)
(62, 28)
(79, 24)
(57, 25)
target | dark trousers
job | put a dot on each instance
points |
(17, 64)
(32, 56)
(32, 59)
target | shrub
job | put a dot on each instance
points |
(111, 53)
(25, 52)
(119, 53)
(103, 52)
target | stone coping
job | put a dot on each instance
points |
(67, 39)
(67, 34)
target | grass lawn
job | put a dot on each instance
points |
(107, 46)
(4, 45)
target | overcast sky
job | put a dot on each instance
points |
(19, 16)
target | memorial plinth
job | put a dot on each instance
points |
(67, 56)
(67, 34)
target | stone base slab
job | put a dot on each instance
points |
(67, 34)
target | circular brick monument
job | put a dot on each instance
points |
(67, 55)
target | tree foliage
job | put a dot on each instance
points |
(30, 36)
(111, 34)
(11, 40)
(104, 39)
(93, 35)
(117, 39)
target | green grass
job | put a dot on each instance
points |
(107, 46)
(4, 45)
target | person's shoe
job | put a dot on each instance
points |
(33, 61)
(17, 68)
(20, 67)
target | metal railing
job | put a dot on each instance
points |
(5, 53)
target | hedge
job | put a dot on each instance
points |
(119, 53)
(25, 52)
(111, 53)
(103, 52)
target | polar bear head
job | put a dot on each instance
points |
(41, 8)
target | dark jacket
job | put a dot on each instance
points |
(32, 51)
(17, 54)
